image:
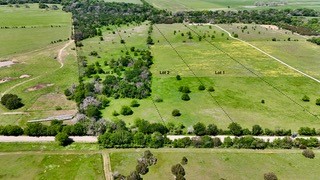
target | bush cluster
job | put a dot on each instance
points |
(11, 101)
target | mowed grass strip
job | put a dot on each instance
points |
(46, 166)
(215, 164)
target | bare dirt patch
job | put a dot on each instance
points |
(6, 63)
(271, 27)
(24, 76)
(49, 102)
(38, 87)
(6, 79)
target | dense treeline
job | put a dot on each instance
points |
(5, 2)
(286, 18)
(90, 15)
(39, 129)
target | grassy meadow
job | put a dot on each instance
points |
(227, 164)
(51, 166)
(189, 5)
(35, 57)
(239, 92)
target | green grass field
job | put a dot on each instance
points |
(18, 40)
(51, 166)
(181, 5)
(238, 91)
(227, 164)
(35, 56)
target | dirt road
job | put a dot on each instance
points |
(94, 139)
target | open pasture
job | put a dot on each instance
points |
(51, 166)
(217, 164)
(189, 5)
(249, 77)
(36, 70)
(291, 48)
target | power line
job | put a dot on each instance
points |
(225, 112)
(262, 79)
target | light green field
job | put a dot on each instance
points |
(227, 164)
(238, 91)
(17, 40)
(35, 56)
(51, 166)
(300, 54)
(189, 5)
(125, 1)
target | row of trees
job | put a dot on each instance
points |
(6, 2)
(144, 127)
(39, 129)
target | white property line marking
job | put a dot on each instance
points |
(297, 70)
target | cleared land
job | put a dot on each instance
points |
(51, 166)
(189, 5)
(37, 75)
(227, 164)
(250, 76)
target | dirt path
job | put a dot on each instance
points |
(60, 59)
(106, 166)
(297, 70)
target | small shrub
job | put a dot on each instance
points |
(262, 101)
(211, 89)
(185, 97)
(158, 100)
(134, 103)
(115, 113)
(201, 87)
(58, 108)
(308, 153)
(184, 89)
(178, 77)
(270, 176)
(176, 112)
(184, 161)
(318, 102)
(305, 98)
(126, 111)
(63, 139)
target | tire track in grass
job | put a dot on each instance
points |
(199, 80)
(257, 75)
(106, 165)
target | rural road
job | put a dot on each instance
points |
(297, 70)
(94, 139)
